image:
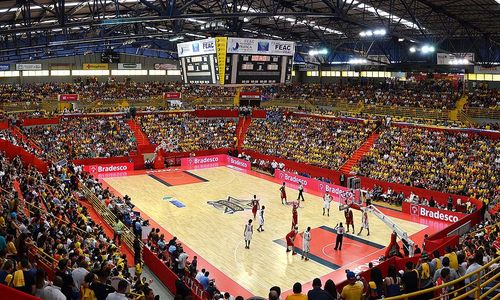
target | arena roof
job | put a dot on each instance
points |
(48, 28)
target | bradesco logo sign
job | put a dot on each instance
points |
(204, 160)
(439, 215)
(295, 179)
(108, 168)
(238, 162)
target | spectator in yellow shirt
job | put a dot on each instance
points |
(297, 293)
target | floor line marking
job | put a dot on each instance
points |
(311, 256)
(354, 237)
(159, 180)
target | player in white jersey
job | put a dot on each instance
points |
(364, 222)
(261, 219)
(306, 244)
(326, 203)
(248, 234)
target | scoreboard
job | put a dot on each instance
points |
(224, 60)
(260, 69)
(198, 61)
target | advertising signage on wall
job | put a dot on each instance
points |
(129, 66)
(257, 46)
(96, 66)
(28, 67)
(4, 67)
(201, 47)
(165, 67)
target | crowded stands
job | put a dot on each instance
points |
(46, 229)
(84, 137)
(320, 142)
(457, 163)
(186, 133)
(483, 97)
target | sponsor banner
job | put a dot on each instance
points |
(432, 213)
(129, 66)
(95, 66)
(450, 58)
(250, 95)
(487, 69)
(315, 185)
(221, 48)
(211, 160)
(107, 168)
(172, 96)
(238, 163)
(28, 67)
(4, 67)
(67, 97)
(194, 48)
(61, 66)
(165, 67)
(258, 46)
(308, 67)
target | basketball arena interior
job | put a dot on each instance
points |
(249, 149)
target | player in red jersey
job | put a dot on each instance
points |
(295, 216)
(283, 194)
(255, 206)
(290, 239)
(349, 219)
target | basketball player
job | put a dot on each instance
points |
(340, 236)
(349, 220)
(301, 191)
(364, 222)
(261, 219)
(255, 206)
(306, 244)
(290, 239)
(295, 217)
(248, 234)
(283, 194)
(326, 203)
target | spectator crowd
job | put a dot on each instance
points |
(86, 137)
(325, 142)
(457, 163)
(185, 133)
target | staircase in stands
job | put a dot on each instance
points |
(143, 144)
(359, 153)
(459, 106)
(241, 129)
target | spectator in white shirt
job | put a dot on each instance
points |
(181, 262)
(79, 273)
(199, 275)
(120, 294)
(53, 292)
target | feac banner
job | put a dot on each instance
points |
(107, 168)
(431, 212)
(194, 48)
(129, 66)
(28, 67)
(67, 97)
(259, 46)
(238, 163)
(204, 161)
(311, 184)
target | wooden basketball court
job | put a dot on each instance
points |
(178, 201)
